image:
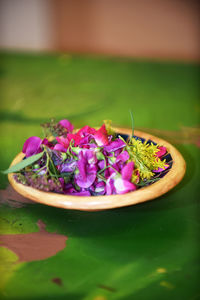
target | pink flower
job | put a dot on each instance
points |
(100, 188)
(75, 137)
(86, 130)
(123, 186)
(115, 145)
(120, 184)
(32, 145)
(63, 144)
(101, 136)
(127, 171)
(161, 169)
(66, 124)
(123, 156)
(86, 134)
(161, 152)
(87, 169)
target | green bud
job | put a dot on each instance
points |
(112, 159)
(63, 155)
(100, 156)
(36, 166)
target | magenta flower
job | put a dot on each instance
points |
(59, 147)
(70, 190)
(63, 144)
(101, 136)
(66, 124)
(120, 183)
(161, 152)
(68, 166)
(32, 145)
(117, 185)
(75, 137)
(127, 171)
(161, 169)
(86, 130)
(81, 193)
(123, 156)
(123, 186)
(110, 189)
(115, 145)
(87, 169)
(74, 192)
(100, 188)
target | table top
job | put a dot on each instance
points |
(145, 251)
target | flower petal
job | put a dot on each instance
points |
(161, 169)
(66, 124)
(161, 152)
(101, 136)
(123, 156)
(100, 188)
(115, 145)
(59, 147)
(81, 193)
(123, 186)
(86, 130)
(87, 172)
(68, 166)
(127, 171)
(110, 188)
(32, 146)
(63, 141)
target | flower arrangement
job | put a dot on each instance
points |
(88, 162)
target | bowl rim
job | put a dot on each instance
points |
(94, 203)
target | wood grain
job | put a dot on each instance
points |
(94, 203)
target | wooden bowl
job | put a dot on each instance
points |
(94, 203)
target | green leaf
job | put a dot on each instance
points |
(100, 156)
(24, 163)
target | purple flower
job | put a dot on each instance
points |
(101, 164)
(115, 145)
(68, 166)
(32, 145)
(100, 188)
(110, 189)
(127, 171)
(123, 186)
(59, 147)
(74, 192)
(63, 144)
(123, 156)
(81, 193)
(120, 183)
(70, 190)
(87, 169)
(66, 124)
(161, 169)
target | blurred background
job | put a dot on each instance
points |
(87, 61)
(150, 29)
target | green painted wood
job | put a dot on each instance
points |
(148, 251)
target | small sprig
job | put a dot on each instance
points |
(53, 129)
(144, 157)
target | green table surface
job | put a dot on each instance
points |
(146, 251)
